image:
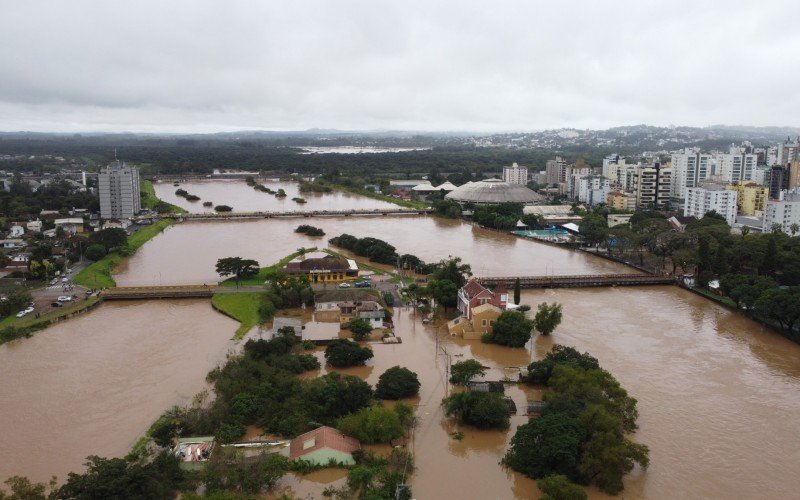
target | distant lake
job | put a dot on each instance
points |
(350, 150)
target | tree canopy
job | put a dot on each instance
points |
(342, 353)
(237, 267)
(397, 382)
(511, 329)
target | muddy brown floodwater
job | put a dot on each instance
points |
(93, 384)
(243, 198)
(187, 253)
(719, 395)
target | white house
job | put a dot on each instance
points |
(16, 232)
(12, 243)
(34, 226)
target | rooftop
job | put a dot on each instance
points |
(494, 191)
(322, 437)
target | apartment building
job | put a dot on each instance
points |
(515, 174)
(784, 213)
(118, 188)
(653, 185)
(711, 197)
(689, 168)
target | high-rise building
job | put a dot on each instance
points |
(556, 170)
(593, 189)
(689, 168)
(751, 197)
(621, 201)
(515, 174)
(788, 151)
(784, 213)
(711, 197)
(736, 165)
(778, 181)
(118, 186)
(653, 186)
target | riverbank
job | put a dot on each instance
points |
(151, 201)
(98, 274)
(243, 307)
(13, 328)
(378, 196)
(264, 272)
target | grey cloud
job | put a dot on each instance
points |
(467, 65)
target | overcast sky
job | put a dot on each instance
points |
(203, 66)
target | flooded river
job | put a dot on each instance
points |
(187, 253)
(243, 198)
(718, 395)
(92, 385)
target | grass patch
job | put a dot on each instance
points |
(243, 307)
(150, 200)
(265, 272)
(98, 274)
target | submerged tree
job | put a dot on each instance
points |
(547, 318)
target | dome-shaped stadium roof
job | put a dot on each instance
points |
(493, 191)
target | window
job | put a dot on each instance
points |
(483, 322)
(309, 443)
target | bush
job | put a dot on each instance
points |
(223, 208)
(342, 353)
(95, 252)
(372, 425)
(511, 329)
(464, 371)
(560, 488)
(309, 230)
(485, 410)
(361, 328)
(396, 383)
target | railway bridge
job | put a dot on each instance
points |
(287, 214)
(579, 281)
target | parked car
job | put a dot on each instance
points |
(21, 314)
(54, 281)
(29, 310)
(362, 284)
(344, 285)
(64, 298)
(57, 304)
(64, 279)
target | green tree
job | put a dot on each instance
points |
(517, 291)
(485, 410)
(463, 371)
(229, 470)
(110, 238)
(593, 228)
(342, 353)
(550, 444)
(558, 487)
(372, 425)
(22, 489)
(511, 329)
(361, 328)
(769, 263)
(444, 291)
(223, 208)
(720, 261)
(95, 252)
(237, 267)
(453, 270)
(547, 318)
(397, 382)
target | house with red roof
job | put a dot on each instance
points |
(473, 294)
(322, 445)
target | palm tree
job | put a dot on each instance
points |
(794, 228)
(302, 252)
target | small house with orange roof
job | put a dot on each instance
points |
(323, 445)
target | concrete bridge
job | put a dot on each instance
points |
(579, 281)
(290, 213)
(161, 292)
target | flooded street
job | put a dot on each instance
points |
(243, 198)
(718, 394)
(92, 385)
(187, 253)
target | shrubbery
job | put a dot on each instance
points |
(396, 383)
(343, 353)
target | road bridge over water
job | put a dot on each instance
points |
(575, 281)
(287, 214)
